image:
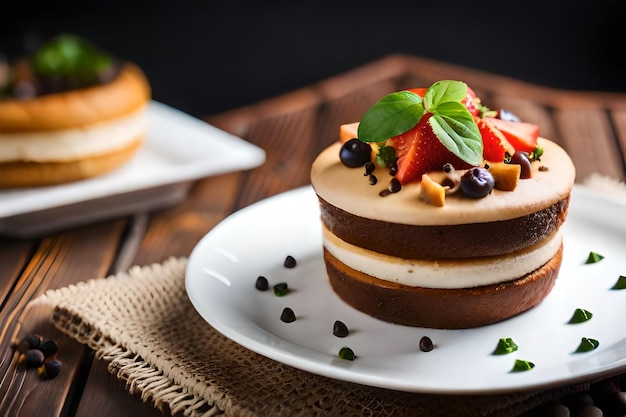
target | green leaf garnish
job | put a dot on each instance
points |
(456, 129)
(521, 365)
(587, 345)
(505, 345)
(386, 156)
(451, 122)
(444, 92)
(580, 315)
(346, 353)
(593, 258)
(620, 284)
(69, 55)
(390, 116)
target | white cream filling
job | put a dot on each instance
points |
(71, 144)
(464, 273)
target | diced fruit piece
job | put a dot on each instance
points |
(432, 192)
(495, 144)
(420, 151)
(506, 176)
(521, 158)
(523, 136)
(477, 182)
(355, 153)
(348, 131)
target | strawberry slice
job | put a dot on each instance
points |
(523, 136)
(419, 91)
(419, 151)
(495, 144)
(471, 102)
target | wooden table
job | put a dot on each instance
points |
(292, 129)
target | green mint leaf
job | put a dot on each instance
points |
(444, 92)
(455, 127)
(390, 116)
(587, 345)
(593, 257)
(505, 346)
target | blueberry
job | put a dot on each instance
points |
(49, 347)
(30, 341)
(507, 115)
(33, 358)
(50, 368)
(355, 153)
(477, 182)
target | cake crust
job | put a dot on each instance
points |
(348, 189)
(441, 308)
(127, 93)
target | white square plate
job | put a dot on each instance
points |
(179, 148)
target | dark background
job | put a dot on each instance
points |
(205, 57)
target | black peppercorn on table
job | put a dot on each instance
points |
(292, 129)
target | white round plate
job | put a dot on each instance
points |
(255, 241)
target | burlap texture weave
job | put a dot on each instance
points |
(142, 323)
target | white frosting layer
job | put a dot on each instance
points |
(348, 189)
(72, 144)
(443, 273)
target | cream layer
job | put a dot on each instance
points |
(443, 273)
(72, 144)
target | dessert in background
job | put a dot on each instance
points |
(440, 212)
(68, 112)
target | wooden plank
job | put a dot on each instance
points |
(105, 395)
(14, 254)
(171, 232)
(618, 117)
(176, 231)
(59, 261)
(589, 139)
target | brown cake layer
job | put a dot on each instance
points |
(441, 308)
(444, 242)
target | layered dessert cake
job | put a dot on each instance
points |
(439, 212)
(68, 112)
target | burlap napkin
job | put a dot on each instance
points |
(142, 323)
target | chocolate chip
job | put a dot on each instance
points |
(426, 345)
(340, 329)
(290, 262)
(261, 283)
(288, 316)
